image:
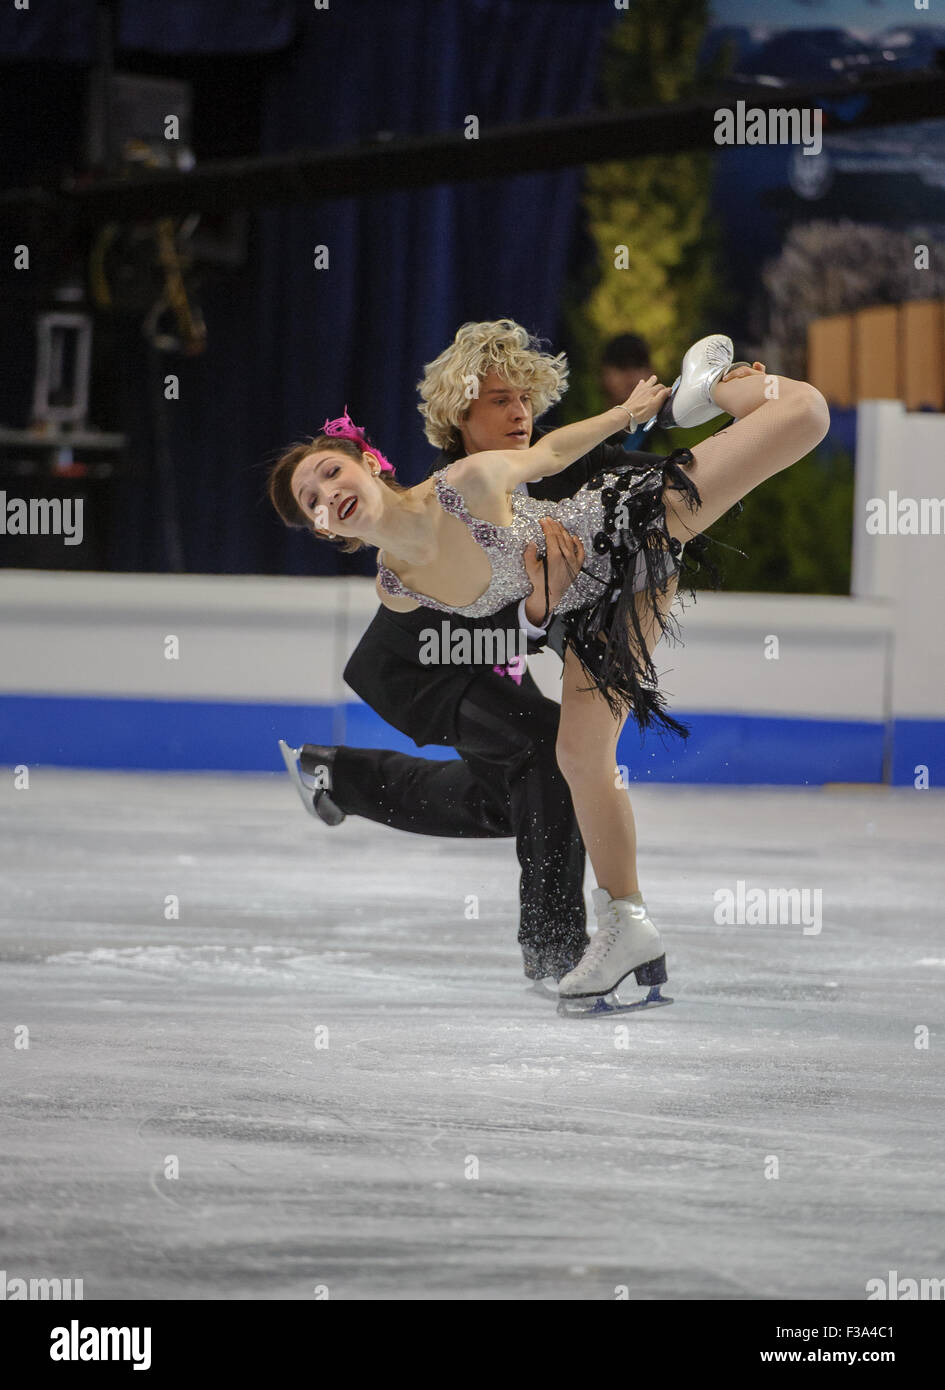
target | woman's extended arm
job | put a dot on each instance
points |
(555, 451)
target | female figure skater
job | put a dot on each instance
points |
(455, 543)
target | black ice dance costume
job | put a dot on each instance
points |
(506, 780)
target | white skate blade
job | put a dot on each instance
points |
(604, 1005)
(290, 757)
(545, 988)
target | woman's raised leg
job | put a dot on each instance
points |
(777, 421)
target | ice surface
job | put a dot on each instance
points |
(348, 1167)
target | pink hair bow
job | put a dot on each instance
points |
(345, 428)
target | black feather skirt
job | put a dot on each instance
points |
(612, 636)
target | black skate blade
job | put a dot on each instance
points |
(306, 793)
(604, 1005)
(664, 416)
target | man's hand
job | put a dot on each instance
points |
(565, 558)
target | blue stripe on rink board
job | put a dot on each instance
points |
(159, 735)
(745, 749)
(185, 735)
(177, 735)
(918, 743)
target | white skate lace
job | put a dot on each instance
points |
(601, 943)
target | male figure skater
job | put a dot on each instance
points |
(483, 392)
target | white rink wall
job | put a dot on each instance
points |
(83, 648)
(287, 640)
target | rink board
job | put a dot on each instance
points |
(776, 689)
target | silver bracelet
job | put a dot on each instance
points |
(633, 422)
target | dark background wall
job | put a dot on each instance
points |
(289, 345)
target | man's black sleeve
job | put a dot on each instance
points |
(598, 460)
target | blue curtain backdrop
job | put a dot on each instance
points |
(289, 344)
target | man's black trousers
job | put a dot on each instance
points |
(506, 781)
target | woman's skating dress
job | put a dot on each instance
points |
(620, 519)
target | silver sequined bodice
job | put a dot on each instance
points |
(582, 515)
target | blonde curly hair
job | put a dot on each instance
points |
(501, 346)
